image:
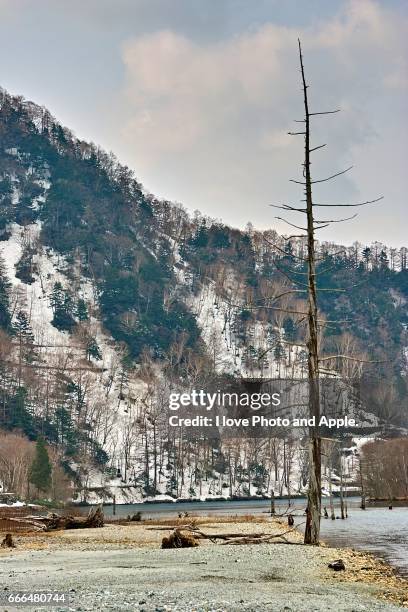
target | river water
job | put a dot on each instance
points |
(378, 530)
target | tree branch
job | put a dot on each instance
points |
(329, 178)
(354, 359)
(325, 113)
(359, 204)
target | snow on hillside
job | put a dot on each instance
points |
(248, 356)
(114, 402)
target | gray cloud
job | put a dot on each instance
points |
(197, 96)
(206, 122)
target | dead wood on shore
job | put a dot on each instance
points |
(227, 538)
(53, 521)
(8, 541)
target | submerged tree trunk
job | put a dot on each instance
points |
(363, 499)
(332, 515)
(343, 516)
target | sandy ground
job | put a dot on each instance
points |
(121, 567)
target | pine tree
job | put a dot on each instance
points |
(93, 350)
(5, 287)
(40, 473)
(22, 329)
(366, 256)
(6, 204)
(57, 296)
(62, 306)
(81, 310)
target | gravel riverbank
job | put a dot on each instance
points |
(121, 567)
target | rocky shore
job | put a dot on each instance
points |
(122, 567)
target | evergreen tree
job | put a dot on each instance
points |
(6, 205)
(23, 332)
(5, 287)
(22, 328)
(290, 329)
(57, 296)
(93, 350)
(40, 473)
(279, 352)
(62, 305)
(81, 310)
(366, 256)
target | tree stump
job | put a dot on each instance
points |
(291, 520)
(8, 542)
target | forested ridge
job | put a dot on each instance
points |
(144, 297)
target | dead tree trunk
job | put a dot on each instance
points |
(272, 502)
(312, 530)
(363, 499)
(342, 513)
(332, 515)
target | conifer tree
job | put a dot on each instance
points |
(5, 287)
(22, 328)
(93, 350)
(81, 311)
(40, 473)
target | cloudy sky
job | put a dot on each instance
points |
(197, 97)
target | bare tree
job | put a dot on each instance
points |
(310, 288)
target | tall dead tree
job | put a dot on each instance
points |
(312, 529)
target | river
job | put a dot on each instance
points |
(377, 529)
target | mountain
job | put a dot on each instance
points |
(111, 298)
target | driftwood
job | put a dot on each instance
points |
(52, 521)
(178, 539)
(228, 538)
(8, 542)
(95, 518)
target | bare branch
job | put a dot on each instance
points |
(329, 178)
(275, 246)
(287, 207)
(354, 359)
(325, 113)
(292, 280)
(359, 204)
(333, 176)
(291, 224)
(337, 220)
(319, 147)
(295, 236)
(299, 227)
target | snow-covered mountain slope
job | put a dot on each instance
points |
(110, 299)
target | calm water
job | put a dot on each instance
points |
(377, 529)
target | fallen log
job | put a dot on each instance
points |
(178, 539)
(94, 519)
(53, 521)
(35, 525)
(236, 538)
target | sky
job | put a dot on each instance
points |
(197, 97)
